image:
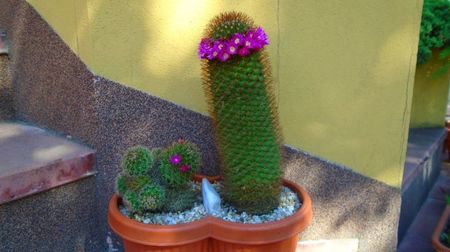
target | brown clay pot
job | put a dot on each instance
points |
(437, 245)
(211, 234)
(447, 141)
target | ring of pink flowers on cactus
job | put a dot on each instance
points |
(238, 45)
(175, 159)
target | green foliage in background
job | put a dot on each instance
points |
(435, 33)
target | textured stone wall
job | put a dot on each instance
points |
(54, 89)
(346, 204)
(61, 219)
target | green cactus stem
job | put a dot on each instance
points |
(180, 200)
(151, 197)
(179, 162)
(137, 160)
(244, 112)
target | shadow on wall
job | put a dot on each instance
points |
(357, 115)
(152, 45)
(346, 204)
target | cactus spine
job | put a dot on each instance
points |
(243, 108)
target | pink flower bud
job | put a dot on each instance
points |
(184, 168)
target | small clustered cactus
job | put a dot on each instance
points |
(179, 162)
(157, 180)
(237, 83)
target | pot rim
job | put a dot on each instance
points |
(268, 232)
(435, 239)
(212, 227)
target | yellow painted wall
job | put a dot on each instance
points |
(430, 96)
(343, 69)
(346, 74)
(150, 45)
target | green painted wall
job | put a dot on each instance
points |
(430, 96)
(343, 70)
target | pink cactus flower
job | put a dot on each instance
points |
(261, 36)
(216, 50)
(249, 43)
(232, 49)
(239, 44)
(175, 159)
(205, 48)
(221, 46)
(244, 52)
(237, 39)
(224, 56)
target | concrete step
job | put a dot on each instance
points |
(33, 160)
(48, 196)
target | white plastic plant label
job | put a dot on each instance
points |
(4, 47)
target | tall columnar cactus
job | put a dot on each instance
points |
(237, 82)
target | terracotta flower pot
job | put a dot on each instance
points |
(212, 234)
(435, 239)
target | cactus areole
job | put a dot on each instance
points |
(237, 83)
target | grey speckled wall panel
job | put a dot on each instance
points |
(346, 204)
(54, 89)
(61, 219)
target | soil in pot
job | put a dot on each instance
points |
(289, 204)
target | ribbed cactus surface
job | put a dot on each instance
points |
(243, 108)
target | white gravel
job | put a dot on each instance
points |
(289, 204)
(193, 214)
